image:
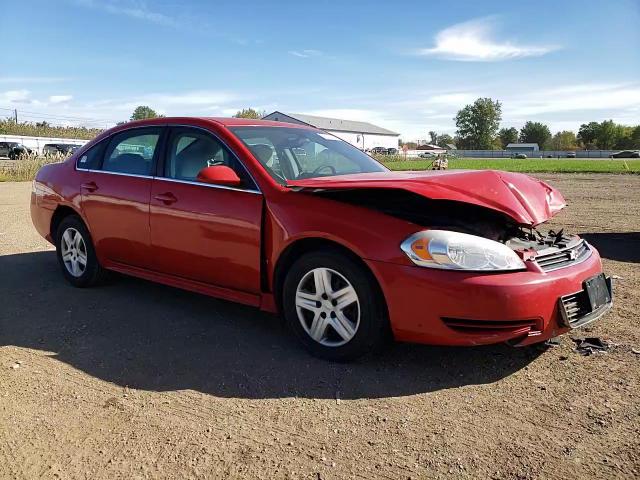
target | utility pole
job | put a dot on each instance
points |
(15, 115)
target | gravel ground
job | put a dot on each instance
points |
(137, 380)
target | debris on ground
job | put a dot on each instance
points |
(553, 342)
(590, 345)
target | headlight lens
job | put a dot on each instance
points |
(459, 251)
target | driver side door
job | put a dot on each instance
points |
(199, 231)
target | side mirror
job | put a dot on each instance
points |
(219, 175)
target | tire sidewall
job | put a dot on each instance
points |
(373, 321)
(93, 268)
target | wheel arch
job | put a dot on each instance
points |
(60, 213)
(306, 245)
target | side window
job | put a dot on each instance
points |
(91, 159)
(190, 150)
(264, 150)
(132, 151)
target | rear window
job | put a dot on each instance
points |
(132, 151)
(91, 159)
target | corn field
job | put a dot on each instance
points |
(29, 129)
(26, 167)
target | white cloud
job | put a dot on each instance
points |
(573, 98)
(305, 53)
(473, 41)
(454, 99)
(129, 8)
(16, 96)
(60, 98)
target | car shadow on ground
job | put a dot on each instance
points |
(620, 246)
(147, 336)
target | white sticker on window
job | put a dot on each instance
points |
(83, 159)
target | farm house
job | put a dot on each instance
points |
(360, 134)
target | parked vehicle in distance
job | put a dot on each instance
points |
(520, 156)
(392, 151)
(626, 154)
(349, 252)
(571, 154)
(60, 148)
(428, 154)
(379, 151)
(13, 150)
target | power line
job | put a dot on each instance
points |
(26, 113)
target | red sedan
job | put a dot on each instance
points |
(291, 219)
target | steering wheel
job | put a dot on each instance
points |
(322, 167)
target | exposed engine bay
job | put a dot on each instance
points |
(528, 242)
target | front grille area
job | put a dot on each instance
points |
(575, 307)
(490, 327)
(564, 257)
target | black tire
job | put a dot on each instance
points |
(373, 330)
(93, 272)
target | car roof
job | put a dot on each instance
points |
(224, 121)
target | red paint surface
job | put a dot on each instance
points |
(227, 243)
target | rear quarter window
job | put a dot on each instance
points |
(92, 158)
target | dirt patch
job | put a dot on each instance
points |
(137, 380)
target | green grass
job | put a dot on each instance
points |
(539, 165)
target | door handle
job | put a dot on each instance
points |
(167, 198)
(89, 186)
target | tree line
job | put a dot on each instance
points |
(44, 129)
(478, 128)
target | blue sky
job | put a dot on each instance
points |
(408, 66)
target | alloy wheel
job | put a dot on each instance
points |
(74, 252)
(328, 307)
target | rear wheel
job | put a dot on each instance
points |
(76, 254)
(334, 306)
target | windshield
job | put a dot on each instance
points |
(298, 153)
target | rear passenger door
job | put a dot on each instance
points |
(116, 187)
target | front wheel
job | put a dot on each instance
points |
(334, 306)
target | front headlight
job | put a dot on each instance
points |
(459, 251)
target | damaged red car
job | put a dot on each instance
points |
(292, 220)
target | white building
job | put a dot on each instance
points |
(522, 147)
(37, 143)
(359, 134)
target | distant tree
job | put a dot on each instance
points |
(507, 136)
(635, 137)
(411, 145)
(625, 138)
(608, 135)
(535, 132)
(478, 124)
(141, 112)
(565, 140)
(250, 113)
(444, 140)
(433, 138)
(587, 134)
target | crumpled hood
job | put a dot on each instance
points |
(527, 200)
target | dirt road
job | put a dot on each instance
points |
(136, 380)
